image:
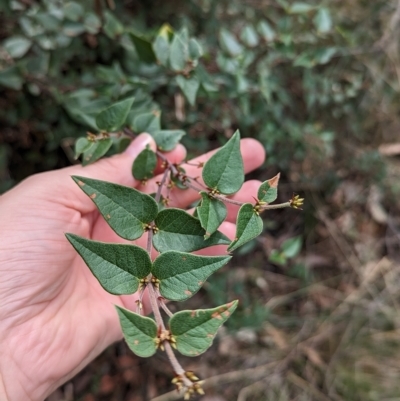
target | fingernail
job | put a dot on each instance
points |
(138, 144)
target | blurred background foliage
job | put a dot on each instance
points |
(318, 83)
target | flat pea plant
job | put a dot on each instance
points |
(176, 273)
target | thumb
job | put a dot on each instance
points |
(116, 169)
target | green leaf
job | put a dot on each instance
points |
(179, 231)
(265, 30)
(166, 140)
(73, 10)
(211, 212)
(195, 49)
(229, 43)
(17, 46)
(300, 8)
(143, 47)
(11, 78)
(117, 267)
(161, 49)
(323, 21)
(144, 165)
(194, 330)
(178, 55)
(189, 87)
(126, 210)
(112, 26)
(112, 118)
(248, 226)
(224, 170)
(81, 146)
(96, 151)
(249, 36)
(182, 274)
(268, 191)
(140, 332)
(147, 122)
(292, 246)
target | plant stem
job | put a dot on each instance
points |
(154, 305)
(165, 307)
(277, 206)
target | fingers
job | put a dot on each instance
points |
(253, 156)
(116, 169)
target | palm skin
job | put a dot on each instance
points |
(54, 315)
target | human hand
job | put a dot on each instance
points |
(55, 317)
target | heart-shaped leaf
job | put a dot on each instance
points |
(140, 332)
(194, 330)
(126, 210)
(182, 274)
(268, 190)
(179, 231)
(224, 170)
(248, 226)
(144, 165)
(166, 140)
(112, 118)
(97, 150)
(117, 267)
(211, 212)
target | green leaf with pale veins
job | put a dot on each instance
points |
(249, 225)
(211, 213)
(179, 231)
(140, 332)
(189, 87)
(117, 267)
(224, 170)
(97, 150)
(126, 210)
(194, 330)
(112, 118)
(268, 191)
(182, 274)
(144, 165)
(166, 140)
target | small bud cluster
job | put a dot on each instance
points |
(165, 335)
(296, 202)
(194, 388)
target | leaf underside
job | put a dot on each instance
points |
(117, 267)
(140, 332)
(182, 274)
(179, 231)
(126, 210)
(248, 226)
(194, 330)
(211, 212)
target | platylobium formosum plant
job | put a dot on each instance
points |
(176, 273)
